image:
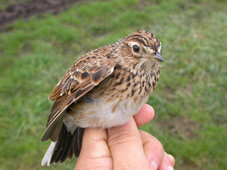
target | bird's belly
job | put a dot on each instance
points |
(104, 114)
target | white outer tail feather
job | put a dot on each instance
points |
(48, 155)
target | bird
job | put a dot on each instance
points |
(104, 88)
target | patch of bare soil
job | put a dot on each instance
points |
(32, 7)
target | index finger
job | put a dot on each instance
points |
(126, 147)
(94, 151)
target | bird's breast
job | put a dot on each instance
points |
(114, 101)
(104, 113)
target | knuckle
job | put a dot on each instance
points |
(171, 158)
(122, 139)
(155, 143)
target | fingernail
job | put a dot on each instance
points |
(170, 168)
(154, 165)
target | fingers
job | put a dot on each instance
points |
(167, 163)
(155, 153)
(126, 147)
(94, 150)
(122, 146)
(153, 149)
(145, 115)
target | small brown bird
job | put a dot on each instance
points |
(104, 88)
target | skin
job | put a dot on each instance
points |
(124, 147)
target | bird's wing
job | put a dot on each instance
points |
(83, 76)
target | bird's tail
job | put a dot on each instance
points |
(66, 145)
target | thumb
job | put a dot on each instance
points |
(126, 147)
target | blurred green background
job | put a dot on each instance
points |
(190, 99)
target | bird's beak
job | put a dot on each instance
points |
(158, 57)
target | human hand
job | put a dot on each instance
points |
(124, 147)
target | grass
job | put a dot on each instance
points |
(190, 99)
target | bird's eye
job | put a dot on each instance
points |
(136, 48)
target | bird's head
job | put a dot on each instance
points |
(144, 45)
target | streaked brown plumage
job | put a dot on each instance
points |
(104, 88)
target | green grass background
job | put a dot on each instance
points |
(190, 99)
